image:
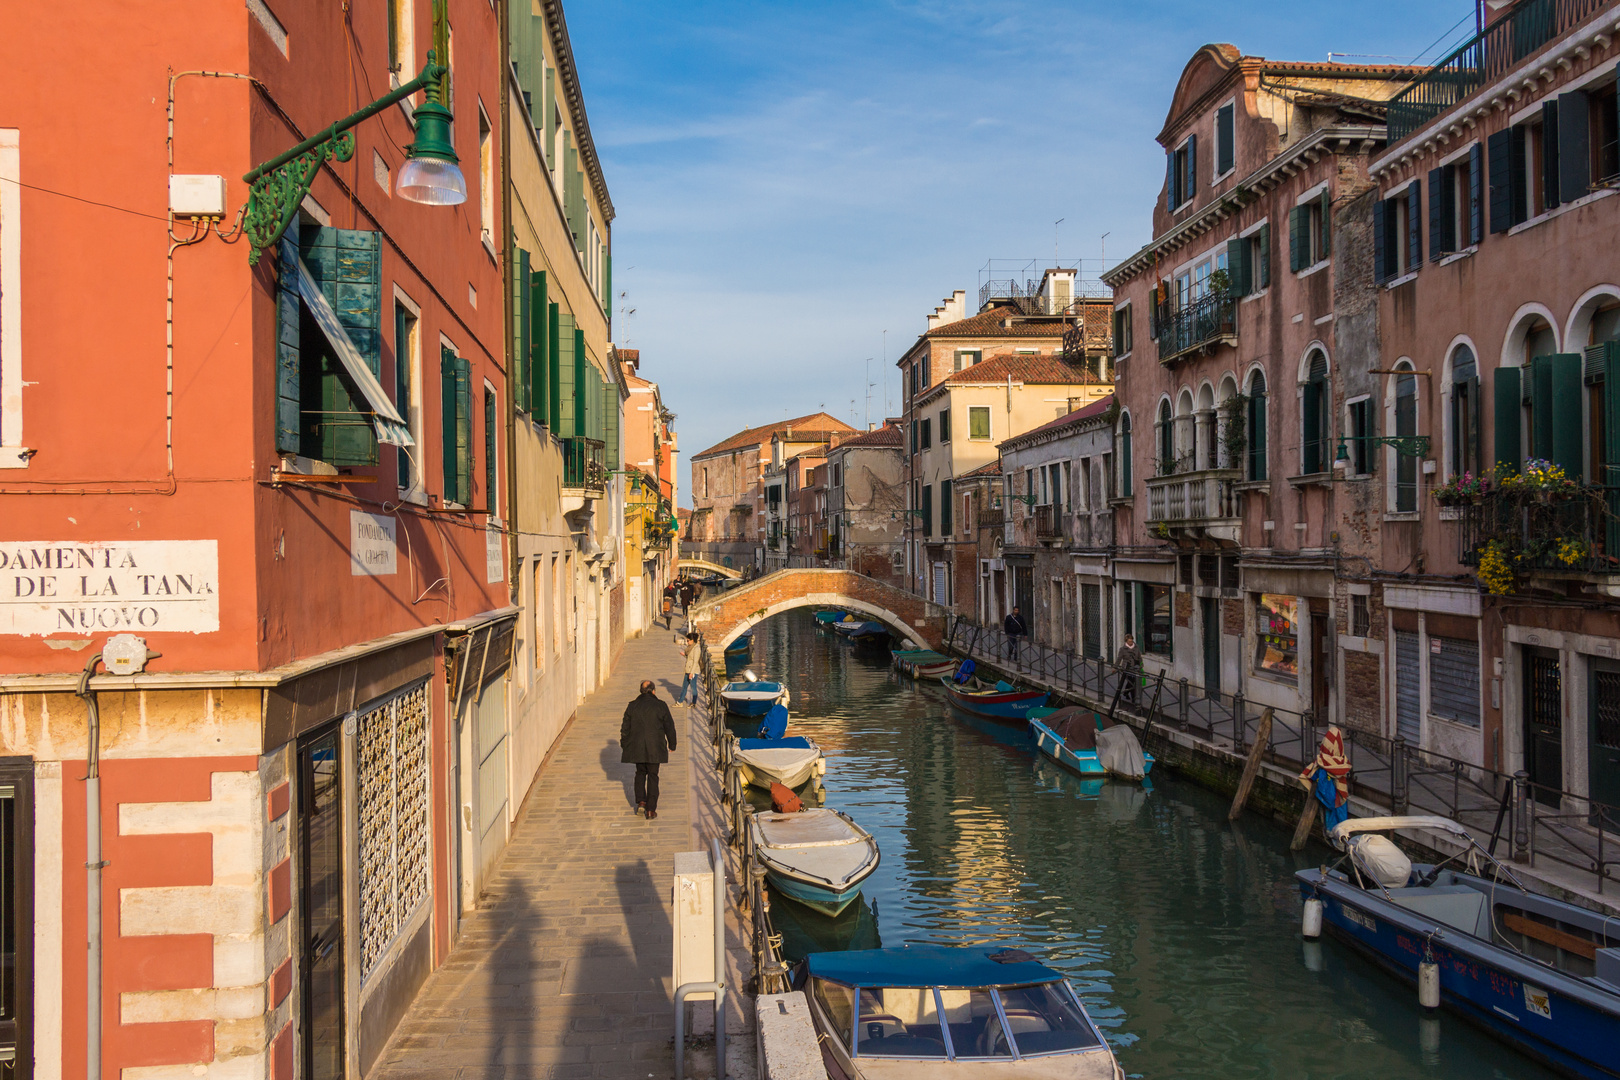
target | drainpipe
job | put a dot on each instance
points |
(92, 873)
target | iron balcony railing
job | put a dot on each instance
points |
(1574, 534)
(1201, 324)
(992, 519)
(1049, 524)
(1485, 58)
(583, 465)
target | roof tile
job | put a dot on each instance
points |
(816, 425)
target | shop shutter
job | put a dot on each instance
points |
(1574, 146)
(1381, 243)
(1611, 449)
(554, 368)
(1414, 225)
(1500, 149)
(1298, 240)
(1476, 188)
(1264, 244)
(1225, 151)
(1237, 265)
(538, 369)
(289, 314)
(1408, 689)
(1550, 184)
(567, 370)
(521, 299)
(1565, 379)
(939, 583)
(1507, 409)
(1454, 680)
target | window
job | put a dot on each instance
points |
(1167, 440)
(407, 389)
(1122, 330)
(925, 426)
(926, 381)
(1315, 416)
(1360, 616)
(1153, 604)
(1362, 459)
(1310, 232)
(1555, 158)
(1248, 262)
(1456, 204)
(486, 178)
(455, 425)
(837, 1003)
(966, 358)
(1225, 147)
(928, 509)
(1125, 455)
(1398, 234)
(1406, 465)
(401, 42)
(1181, 173)
(837, 476)
(978, 421)
(1466, 452)
(492, 439)
(913, 370)
(945, 527)
(537, 612)
(1256, 469)
(945, 425)
(1276, 628)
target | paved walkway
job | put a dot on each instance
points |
(565, 968)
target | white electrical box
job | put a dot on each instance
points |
(197, 195)
(694, 920)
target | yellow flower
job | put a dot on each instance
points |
(1494, 570)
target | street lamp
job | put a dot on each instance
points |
(1405, 445)
(429, 175)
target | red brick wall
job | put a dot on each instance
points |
(1363, 691)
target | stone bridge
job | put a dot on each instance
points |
(704, 564)
(726, 615)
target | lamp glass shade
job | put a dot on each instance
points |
(1341, 462)
(431, 181)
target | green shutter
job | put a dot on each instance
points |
(1294, 245)
(1565, 405)
(1507, 405)
(928, 509)
(1237, 266)
(491, 441)
(1541, 408)
(1437, 211)
(567, 412)
(402, 388)
(945, 508)
(1264, 239)
(573, 193)
(522, 318)
(1310, 458)
(464, 449)
(582, 372)
(537, 371)
(1609, 477)
(550, 106)
(554, 368)
(346, 265)
(289, 314)
(1327, 224)
(607, 283)
(447, 423)
(1383, 242)
(1414, 226)
(610, 418)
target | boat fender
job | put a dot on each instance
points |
(1428, 981)
(783, 801)
(1310, 923)
(821, 767)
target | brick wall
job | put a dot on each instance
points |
(1363, 691)
(719, 616)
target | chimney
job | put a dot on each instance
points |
(870, 426)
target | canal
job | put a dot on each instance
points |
(1180, 930)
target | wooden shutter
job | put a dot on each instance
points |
(1437, 214)
(1297, 244)
(550, 107)
(491, 441)
(928, 509)
(1476, 189)
(573, 193)
(554, 368)
(1610, 477)
(1507, 404)
(607, 283)
(610, 422)
(1574, 146)
(447, 424)
(1327, 223)
(1311, 424)
(1518, 182)
(1414, 225)
(1381, 242)
(1500, 150)
(1550, 185)
(1475, 420)
(289, 314)
(1564, 377)
(582, 371)
(347, 266)
(1263, 242)
(1170, 180)
(538, 369)
(1192, 166)
(1541, 404)
(464, 447)
(1223, 139)
(1237, 265)
(1125, 489)
(567, 387)
(945, 508)
(521, 318)
(1257, 435)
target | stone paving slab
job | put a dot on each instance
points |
(564, 970)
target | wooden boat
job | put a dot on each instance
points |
(817, 857)
(1003, 702)
(751, 697)
(790, 762)
(1540, 974)
(1069, 737)
(924, 663)
(927, 1011)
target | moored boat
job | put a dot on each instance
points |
(931, 1010)
(1003, 702)
(740, 646)
(749, 697)
(857, 630)
(830, 616)
(818, 857)
(1539, 973)
(787, 761)
(924, 663)
(1077, 739)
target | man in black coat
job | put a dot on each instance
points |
(646, 736)
(1013, 626)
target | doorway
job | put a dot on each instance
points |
(1543, 723)
(1210, 609)
(1056, 615)
(1024, 591)
(1321, 662)
(1091, 621)
(1603, 741)
(320, 835)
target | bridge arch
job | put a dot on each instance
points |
(727, 616)
(704, 564)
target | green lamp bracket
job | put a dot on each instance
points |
(1027, 500)
(1416, 446)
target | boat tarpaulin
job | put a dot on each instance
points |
(926, 965)
(1120, 753)
(774, 726)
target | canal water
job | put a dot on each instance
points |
(1179, 930)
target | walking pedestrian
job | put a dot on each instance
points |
(694, 667)
(643, 734)
(1129, 663)
(687, 590)
(670, 592)
(1013, 626)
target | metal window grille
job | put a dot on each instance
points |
(1606, 707)
(1209, 570)
(392, 767)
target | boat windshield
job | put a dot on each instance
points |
(838, 1002)
(1045, 1020)
(899, 1021)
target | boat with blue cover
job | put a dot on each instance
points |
(752, 697)
(818, 857)
(1082, 741)
(830, 616)
(936, 1011)
(789, 761)
(1539, 973)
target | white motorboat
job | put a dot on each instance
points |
(817, 857)
(790, 762)
(751, 697)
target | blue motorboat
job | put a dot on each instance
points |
(1539, 973)
(1070, 737)
(932, 1010)
(1002, 702)
(750, 697)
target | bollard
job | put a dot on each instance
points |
(1397, 776)
(1240, 722)
(1521, 816)
(1181, 711)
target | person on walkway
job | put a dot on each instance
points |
(1129, 663)
(643, 734)
(694, 667)
(671, 592)
(1013, 626)
(688, 591)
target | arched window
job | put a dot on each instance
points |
(1315, 416)
(1406, 465)
(1167, 440)
(1466, 450)
(1125, 455)
(1257, 428)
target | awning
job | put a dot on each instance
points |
(390, 426)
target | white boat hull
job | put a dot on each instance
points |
(789, 766)
(818, 857)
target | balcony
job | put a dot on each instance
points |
(1484, 58)
(1201, 326)
(1207, 501)
(1566, 536)
(1050, 526)
(584, 472)
(992, 519)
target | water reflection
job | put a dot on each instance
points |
(1180, 930)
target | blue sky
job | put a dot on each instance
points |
(793, 179)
